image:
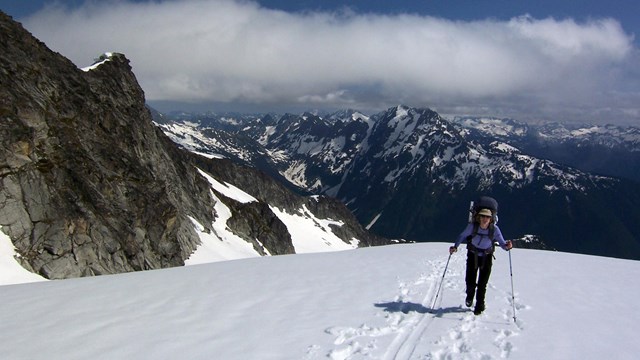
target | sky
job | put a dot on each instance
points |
(533, 61)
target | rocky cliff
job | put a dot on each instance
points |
(88, 185)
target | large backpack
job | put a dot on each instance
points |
(484, 202)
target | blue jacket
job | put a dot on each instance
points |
(481, 240)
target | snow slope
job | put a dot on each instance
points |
(11, 272)
(308, 233)
(369, 303)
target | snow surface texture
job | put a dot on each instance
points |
(370, 303)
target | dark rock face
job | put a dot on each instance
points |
(258, 225)
(89, 186)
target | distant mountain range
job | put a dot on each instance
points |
(601, 149)
(410, 173)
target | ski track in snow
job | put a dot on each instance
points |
(414, 330)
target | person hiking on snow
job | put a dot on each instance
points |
(480, 235)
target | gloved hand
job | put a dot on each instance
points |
(509, 245)
(452, 250)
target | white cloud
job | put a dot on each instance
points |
(237, 51)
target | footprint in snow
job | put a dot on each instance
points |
(503, 343)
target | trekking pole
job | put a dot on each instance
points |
(513, 296)
(441, 281)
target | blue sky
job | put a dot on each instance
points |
(530, 60)
(625, 11)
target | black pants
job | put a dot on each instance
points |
(477, 277)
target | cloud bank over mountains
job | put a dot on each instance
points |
(238, 53)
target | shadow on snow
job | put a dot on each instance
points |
(407, 307)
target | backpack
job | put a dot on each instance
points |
(485, 202)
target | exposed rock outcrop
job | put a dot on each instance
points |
(87, 184)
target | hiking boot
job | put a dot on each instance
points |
(468, 301)
(479, 309)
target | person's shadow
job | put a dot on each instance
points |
(407, 307)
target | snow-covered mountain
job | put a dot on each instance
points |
(603, 149)
(371, 303)
(404, 172)
(610, 136)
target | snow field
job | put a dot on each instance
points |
(416, 329)
(370, 303)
